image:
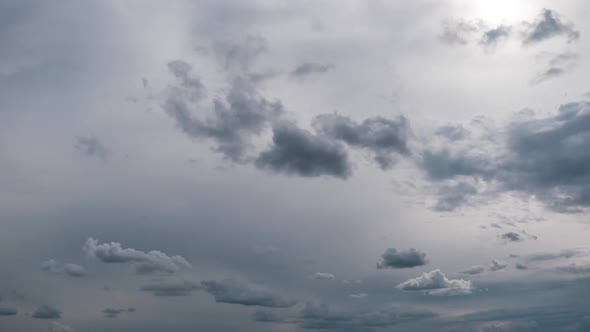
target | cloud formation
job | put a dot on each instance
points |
(143, 262)
(325, 276)
(232, 291)
(171, 288)
(385, 138)
(437, 283)
(310, 68)
(91, 146)
(115, 313)
(6, 311)
(47, 312)
(549, 25)
(296, 151)
(72, 270)
(400, 259)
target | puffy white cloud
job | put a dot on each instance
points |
(437, 283)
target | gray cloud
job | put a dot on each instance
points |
(315, 317)
(549, 25)
(115, 313)
(540, 257)
(511, 237)
(574, 269)
(493, 36)
(309, 68)
(476, 269)
(399, 259)
(497, 265)
(452, 132)
(242, 113)
(54, 266)
(557, 65)
(47, 312)
(265, 316)
(437, 283)
(546, 158)
(458, 32)
(232, 291)
(520, 266)
(383, 137)
(299, 152)
(91, 146)
(6, 311)
(144, 262)
(451, 197)
(172, 288)
(358, 295)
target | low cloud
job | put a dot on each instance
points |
(174, 288)
(400, 259)
(548, 25)
(6, 311)
(144, 262)
(437, 283)
(232, 291)
(310, 68)
(56, 267)
(115, 313)
(47, 312)
(385, 138)
(298, 152)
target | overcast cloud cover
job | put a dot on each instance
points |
(294, 166)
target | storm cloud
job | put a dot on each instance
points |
(400, 259)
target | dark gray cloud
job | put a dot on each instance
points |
(232, 291)
(314, 317)
(190, 85)
(171, 288)
(91, 146)
(548, 256)
(547, 158)
(520, 266)
(511, 237)
(399, 259)
(383, 137)
(144, 262)
(47, 312)
(437, 283)
(115, 313)
(493, 36)
(310, 68)
(298, 152)
(6, 311)
(242, 113)
(549, 25)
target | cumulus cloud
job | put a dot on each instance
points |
(232, 291)
(450, 197)
(6, 311)
(298, 152)
(310, 68)
(314, 317)
(545, 157)
(47, 312)
(171, 288)
(91, 146)
(325, 276)
(384, 137)
(399, 259)
(144, 262)
(54, 266)
(437, 283)
(493, 36)
(115, 313)
(549, 25)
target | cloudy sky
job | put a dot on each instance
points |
(294, 166)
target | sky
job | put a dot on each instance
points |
(290, 166)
